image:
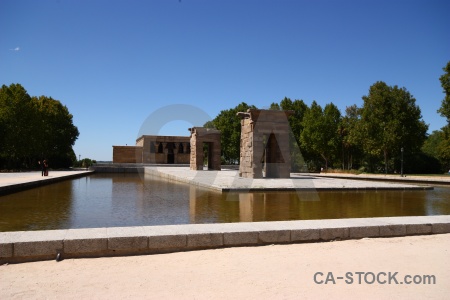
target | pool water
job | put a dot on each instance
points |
(118, 200)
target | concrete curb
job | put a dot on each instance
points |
(24, 246)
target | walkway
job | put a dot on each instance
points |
(266, 272)
(17, 181)
(22, 246)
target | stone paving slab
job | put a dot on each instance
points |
(229, 180)
(97, 242)
(18, 181)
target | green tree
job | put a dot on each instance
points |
(351, 137)
(320, 131)
(295, 120)
(274, 106)
(85, 163)
(18, 120)
(430, 151)
(58, 132)
(33, 129)
(431, 144)
(298, 107)
(444, 110)
(443, 148)
(390, 120)
(229, 125)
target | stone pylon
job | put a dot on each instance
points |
(264, 144)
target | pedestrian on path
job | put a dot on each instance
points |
(45, 167)
(42, 167)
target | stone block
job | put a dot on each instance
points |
(167, 241)
(87, 245)
(240, 238)
(327, 234)
(126, 238)
(6, 250)
(440, 227)
(37, 243)
(393, 230)
(204, 240)
(363, 231)
(418, 229)
(275, 236)
(128, 243)
(37, 248)
(86, 240)
(303, 235)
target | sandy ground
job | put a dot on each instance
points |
(268, 272)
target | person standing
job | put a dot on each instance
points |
(45, 167)
(42, 167)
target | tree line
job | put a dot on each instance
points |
(34, 128)
(385, 135)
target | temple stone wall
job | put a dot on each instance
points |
(205, 136)
(127, 154)
(264, 147)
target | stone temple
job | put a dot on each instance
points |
(264, 147)
(202, 147)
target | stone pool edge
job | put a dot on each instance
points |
(26, 246)
(26, 184)
(205, 182)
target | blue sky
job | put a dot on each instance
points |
(115, 63)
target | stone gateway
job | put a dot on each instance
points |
(205, 141)
(264, 147)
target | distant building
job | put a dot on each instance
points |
(155, 149)
(158, 149)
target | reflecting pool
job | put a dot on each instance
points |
(112, 200)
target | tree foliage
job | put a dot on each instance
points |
(84, 163)
(390, 120)
(34, 128)
(443, 149)
(351, 137)
(229, 125)
(444, 110)
(320, 131)
(298, 109)
(433, 148)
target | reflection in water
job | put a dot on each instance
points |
(109, 200)
(47, 207)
